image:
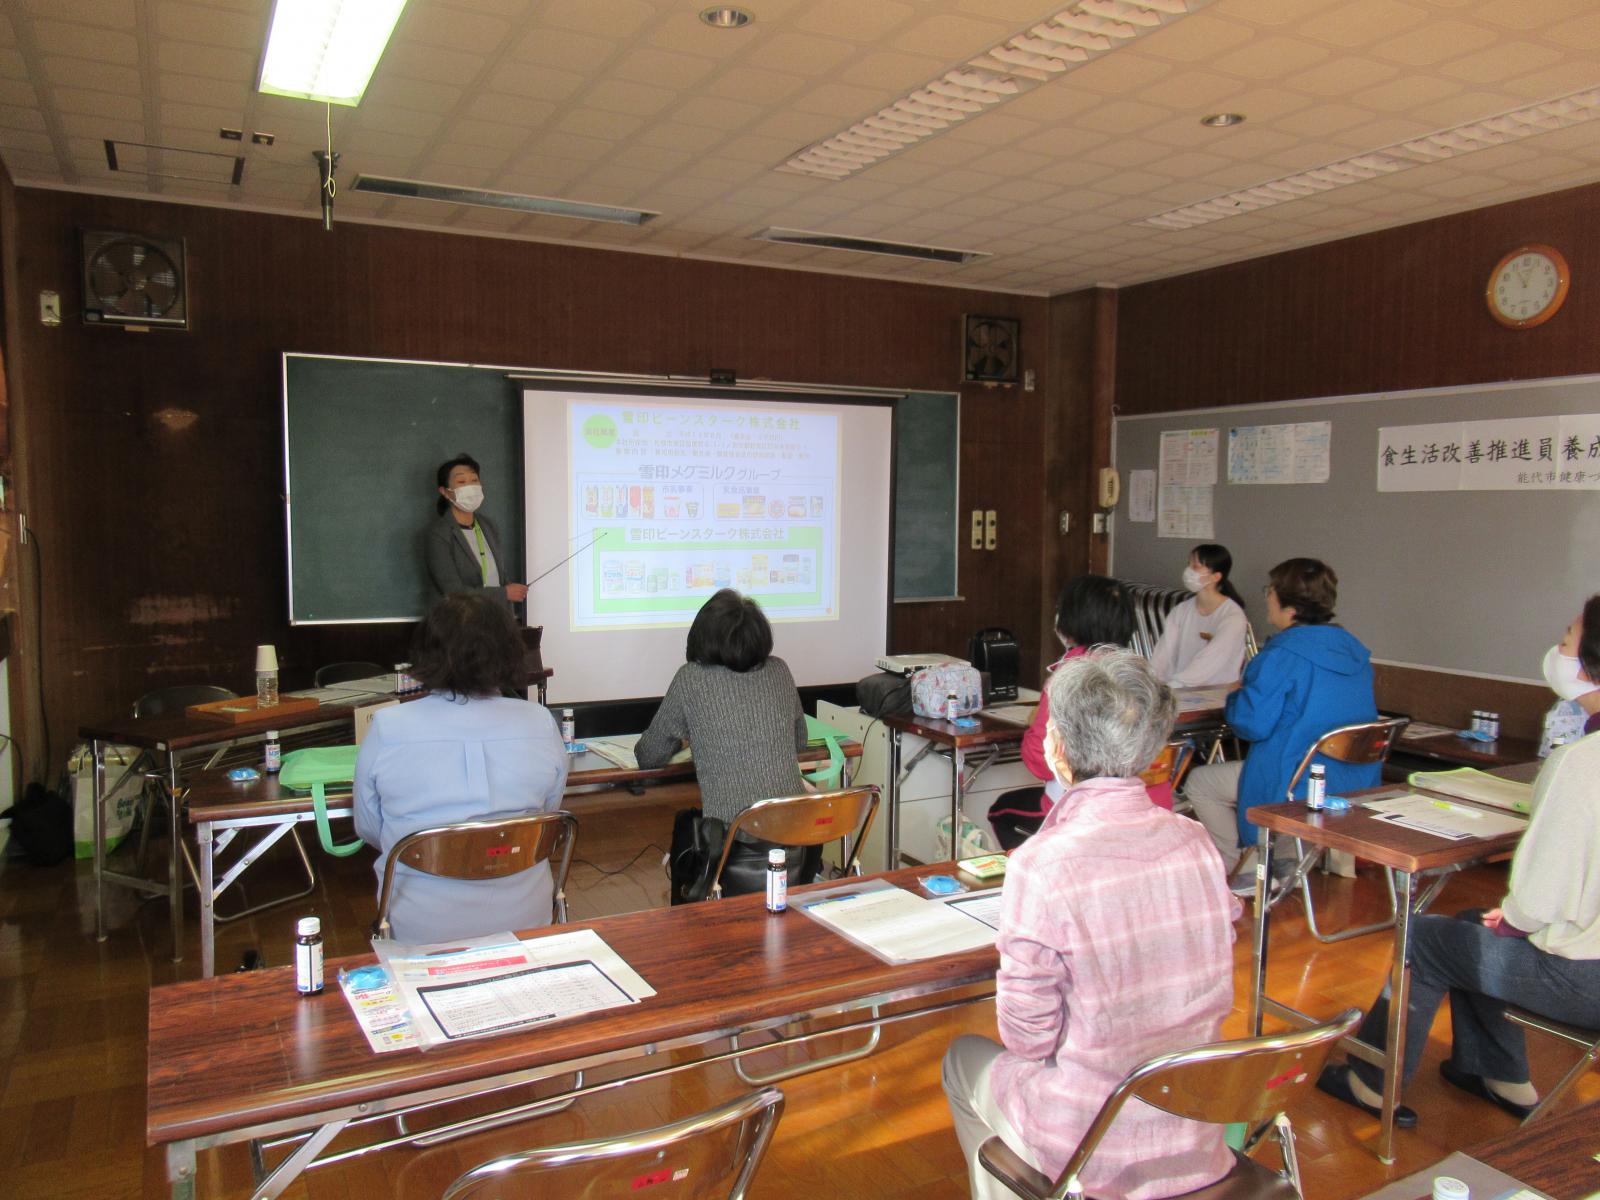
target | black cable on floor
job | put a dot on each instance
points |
(623, 870)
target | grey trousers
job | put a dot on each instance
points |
(1214, 792)
(976, 1115)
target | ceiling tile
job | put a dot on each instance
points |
(17, 91)
(1535, 14)
(716, 113)
(1406, 94)
(14, 117)
(799, 54)
(691, 138)
(560, 48)
(1504, 61)
(214, 26)
(544, 83)
(523, 114)
(851, 18)
(593, 123)
(888, 74)
(1196, 41)
(625, 96)
(105, 14)
(103, 77)
(388, 88)
(210, 62)
(1438, 42)
(434, 64)
(1341, 76)
(103, 104)
(85, 41)
(452, 29)
(662, 67)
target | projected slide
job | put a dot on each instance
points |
(678, 501)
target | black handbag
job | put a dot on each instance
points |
(697, 845)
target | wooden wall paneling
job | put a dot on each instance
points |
(1448, 698)
(1392, 310)
(155, 459)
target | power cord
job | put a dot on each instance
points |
(622, 870)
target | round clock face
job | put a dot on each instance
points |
(1527, 286)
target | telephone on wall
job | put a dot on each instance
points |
(1110, 490)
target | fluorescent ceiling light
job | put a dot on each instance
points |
(1079, 32)
(1504, 127)
(839, 241)
(482, 198)
(326, 50)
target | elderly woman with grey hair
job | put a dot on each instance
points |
(1116, 935)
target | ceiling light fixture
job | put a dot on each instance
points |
(839, 241)
(1078, 33)
(723, 17)
(445, 193)
(1222, 120)
(1434, 147)
(326, 50)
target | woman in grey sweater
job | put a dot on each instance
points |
(736, 706)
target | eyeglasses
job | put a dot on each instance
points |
(1266, 590)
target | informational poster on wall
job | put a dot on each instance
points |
(1555, 454)
(1142, 496)
(1279, 453)
(1186, 512)
(680, 501)
(1188, 457)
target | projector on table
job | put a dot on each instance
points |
(910, 664)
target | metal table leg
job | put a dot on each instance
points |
(208, 930)
(1258, 958)
(180, 1170)
(892, 794)
(175, 856)
(958, 768)
(1399, 989)
(98, 749)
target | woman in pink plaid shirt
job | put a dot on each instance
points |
(1115, 942)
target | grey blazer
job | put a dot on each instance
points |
(453, 566)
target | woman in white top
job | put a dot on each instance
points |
(1202, 643)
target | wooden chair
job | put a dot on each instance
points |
(344, 672)
(712, 1155)
(813, 819)
(1588, 1040)
(1360, 745)
(1252, 1081)
(484, 850)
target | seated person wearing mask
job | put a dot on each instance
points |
(1116, 944)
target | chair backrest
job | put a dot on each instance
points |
(484, 850)
(344, 672)
(714, 1154)
(1251, 646)
(1369, 742)
(1249, 1081)
(1151, 604)
(812, 819)
(167, 700)
(1170, 765)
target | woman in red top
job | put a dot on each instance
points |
(1093, 611)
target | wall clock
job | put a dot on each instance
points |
(1527, 286)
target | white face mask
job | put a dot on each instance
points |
(1194, 580)
(469, 497)
(1561, 673)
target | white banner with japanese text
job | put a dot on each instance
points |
(1559, 453)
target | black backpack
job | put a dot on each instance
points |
(41, 823)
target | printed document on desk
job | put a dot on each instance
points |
(495, 984)
(894, 924)
(1199, 699)
(1013, 714)
(1441, 818)
(980, 906)
(619, 750)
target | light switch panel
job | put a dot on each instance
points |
(977, 529)
(991, 526)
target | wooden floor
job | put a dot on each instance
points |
(72, 1045)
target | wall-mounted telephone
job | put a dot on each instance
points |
(1110, 489)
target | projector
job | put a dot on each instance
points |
(910, 664)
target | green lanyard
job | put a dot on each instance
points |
(483, 555)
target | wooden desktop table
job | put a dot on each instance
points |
(1504, 751)
(220, 808)
(171, 740)
(1411, 855)
(956, 742)
(243, 1058)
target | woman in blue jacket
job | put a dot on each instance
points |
(1311, 677)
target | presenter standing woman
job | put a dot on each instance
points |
(463, 547)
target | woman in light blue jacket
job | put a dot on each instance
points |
(464, 752)
(1311, 677)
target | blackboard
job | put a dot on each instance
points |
(1472, 581)
(362, 442)
(364, 437)
(927, 471)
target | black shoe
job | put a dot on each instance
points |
(1474, 1085)
(1335, 1081)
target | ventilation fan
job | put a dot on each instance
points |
(989, 350)
(130, 279)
